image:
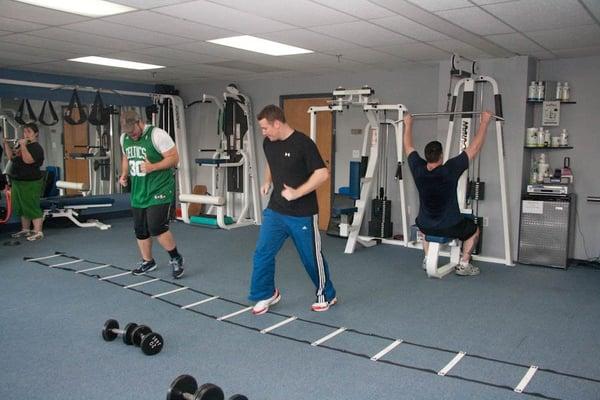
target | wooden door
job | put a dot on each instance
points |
(296, 114)
(76, 170)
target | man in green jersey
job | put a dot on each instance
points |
(149, 156)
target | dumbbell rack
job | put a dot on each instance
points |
(529, 370)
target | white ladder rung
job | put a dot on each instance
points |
(326, 338)
(45, 258)
(93, 268)
(114, 276)
(243, 310)
(280, 324)
(452, 363)
(389, 348)
(156, 296)
(140, 283)
(65, 263)
(199, 302)
(525, 380)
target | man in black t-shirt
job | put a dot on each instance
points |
(294, 171)
(439, 213)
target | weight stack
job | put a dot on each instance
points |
(380, 224)
(479, 222)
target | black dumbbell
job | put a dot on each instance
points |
(238, 397)
(150, 342)
(111, 331)
(185, 387)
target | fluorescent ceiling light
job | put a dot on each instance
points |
(259, 45)
(113, 62)
(89, 8)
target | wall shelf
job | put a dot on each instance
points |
(548, 147)
(541, 101)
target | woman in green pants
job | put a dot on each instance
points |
(26, 182)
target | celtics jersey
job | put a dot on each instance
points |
(147, 189)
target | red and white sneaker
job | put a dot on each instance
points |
(323, 306)
(263, 306)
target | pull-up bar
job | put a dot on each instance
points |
(442, 113)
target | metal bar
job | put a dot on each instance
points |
(442, 113)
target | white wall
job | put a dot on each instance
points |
(424, 88)
(582, 120)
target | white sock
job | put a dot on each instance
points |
(464, 263)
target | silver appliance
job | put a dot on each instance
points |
(546, 230)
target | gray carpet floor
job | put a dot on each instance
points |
(505, 320)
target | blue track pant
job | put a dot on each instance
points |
(275, 229)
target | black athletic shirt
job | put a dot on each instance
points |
(437, 190)
(292, 161)
(22, 171)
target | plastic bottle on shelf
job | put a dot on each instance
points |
(566, 92)
(540, 90)
(564, 138)
(559, 89)
(532, 91)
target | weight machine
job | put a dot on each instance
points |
(233, 167)
(374, 145)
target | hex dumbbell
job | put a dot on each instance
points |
(150, 342)
(111, 331)
(238, 397)
(185, 387)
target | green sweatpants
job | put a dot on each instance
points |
(25, 197)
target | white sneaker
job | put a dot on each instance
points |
(263, 306)
(323, 306)
(466, 270)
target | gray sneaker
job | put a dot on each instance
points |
(466, 270)
(177, 266)
(424, 264)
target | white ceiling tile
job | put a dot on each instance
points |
(19, 48)
(323, 60)
(476, 20)
(458, 47)
(118, 31)
(368, 56)
(580, 36)
(362, 9)
(363, 33)
(85, 39)
(223, 17)
(145, 58)
(544, 55)
(416, 52)
(56, 44)
(302, 13)
(40, 15)
(484, 2)
(16, 25)
(3, 33)
(516, 42)
(308, 40)
(24, 59)
(224, 52)
(170, 25)
(147, 4)
(593, 6)
(535, 15)
(578, 52)
(179, 56)
(436, 5)
(410, 28)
